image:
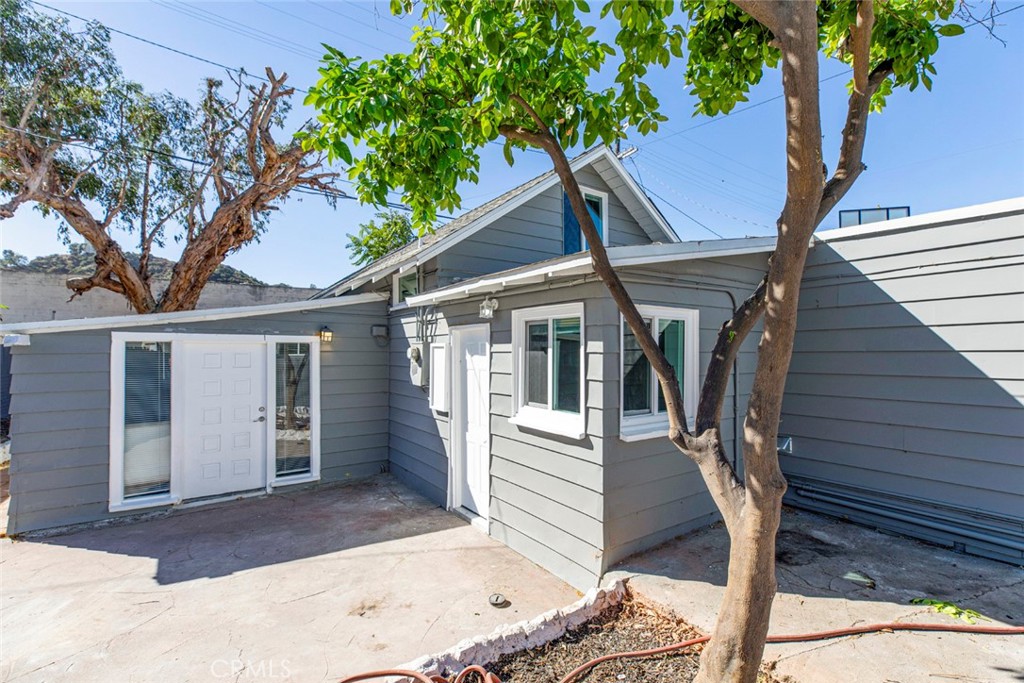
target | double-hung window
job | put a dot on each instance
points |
(573, 240)
(548, 385)
(643, 411)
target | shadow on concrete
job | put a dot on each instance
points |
(207, 542)
(824, 557)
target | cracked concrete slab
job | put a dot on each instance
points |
(304, 586)
(815, 553)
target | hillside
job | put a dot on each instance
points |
(81, 262)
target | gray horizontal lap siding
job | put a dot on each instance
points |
(653, 492)
(546, 500)
(904, 396)
(530, 233)
(61, 409)
(547, 491)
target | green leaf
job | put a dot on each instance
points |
(950, 30)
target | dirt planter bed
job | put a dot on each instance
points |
(547, 648)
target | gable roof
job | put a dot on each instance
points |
(429, 246)
(576, 264)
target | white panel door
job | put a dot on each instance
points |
(471, 427)
(224, 430)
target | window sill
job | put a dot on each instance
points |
(295, 479)
(142, 503)
(552, 422)
(642, 428)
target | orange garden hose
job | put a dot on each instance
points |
(487, 677)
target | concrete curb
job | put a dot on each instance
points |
(523, 635)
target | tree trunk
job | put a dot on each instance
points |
(737, 644)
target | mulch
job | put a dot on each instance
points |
(633, 625)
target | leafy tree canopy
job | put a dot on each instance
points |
(81, 142)
(476, 69)
(375, 240)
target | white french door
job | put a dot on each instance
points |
(197, 416)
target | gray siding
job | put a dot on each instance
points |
(61, 409)
(545, 490)
(653, 492)
(905, 392)
(533, 232)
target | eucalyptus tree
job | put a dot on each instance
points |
(83, 143)
(521, 72)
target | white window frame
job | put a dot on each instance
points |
(439, 372)
(274, 481)
(605, 230)
(116, 500)
(546, 419)
(394, 285)
(655, 424)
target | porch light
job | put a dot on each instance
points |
(487, 308)
(326, 335)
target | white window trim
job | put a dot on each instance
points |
(438, 379)
(116, 500)
(394, 286)
(653, 425)
(274, 481)
(605, 229)
(534, 417)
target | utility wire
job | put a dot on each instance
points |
(214, 19)
(779, 97)
(327, 8)
(205, 164)
(313, 23)
(704, 206)
(147, 41)
(672, 206)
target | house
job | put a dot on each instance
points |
(484, 366)
(905, 396)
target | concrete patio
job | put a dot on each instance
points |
(687, 576)
(307, 586)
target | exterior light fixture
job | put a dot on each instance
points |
(487, 308)
(326, 335)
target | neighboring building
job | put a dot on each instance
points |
(484, 365)
(905, 397)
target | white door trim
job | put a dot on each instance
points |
(116, 501)
(457, 420)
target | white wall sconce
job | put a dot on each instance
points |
(487, 308)
(326, 335)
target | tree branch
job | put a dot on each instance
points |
(851, 152)
(727, 346)
(769, 13)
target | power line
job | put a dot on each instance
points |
(313, 23)
(214, 19)
(153, 43)
(779, 97)
(698, 181)
(362, 23)
(204, 164)
(706, 207)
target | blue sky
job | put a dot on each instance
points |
(961, 144)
